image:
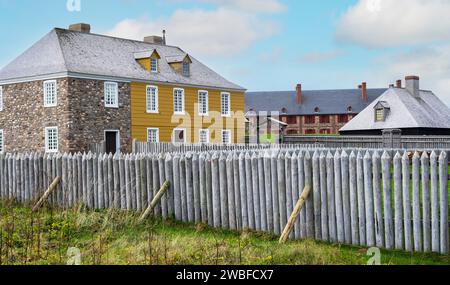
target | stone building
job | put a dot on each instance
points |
(73, 89)
(318, 112)
(409, 110)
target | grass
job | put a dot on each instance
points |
(113, 237)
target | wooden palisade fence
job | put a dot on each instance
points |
(360, 197)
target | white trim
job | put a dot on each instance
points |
(229, 104)
(55, 103)
(157, 134)
(115, 104)
(2, 141)
(207, 103)
(156, 99)
(183, 112)
(229, 136)
(154, 71)
(87, 76)
(47, 150)
(1, 98)
(208, 138)
(117, 138)
(179, 129)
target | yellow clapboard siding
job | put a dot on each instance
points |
(166, 121)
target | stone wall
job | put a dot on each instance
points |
(89, 118)
(81, 116)
(24, 117)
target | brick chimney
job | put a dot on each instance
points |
(299, 95)
(80, 27)
(413, 85)
(398, 84)
(364, 95)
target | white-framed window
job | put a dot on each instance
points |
(50, 93)
(153, 135)
(203, 103)
(225, 104)
(226, 136)
(111, 95)
(179, 136)
(153, 64)
(1, 98)
(2, 139)
(178, 101)
(152, 99)
(186, 68)
(204, 136)
(51, 139)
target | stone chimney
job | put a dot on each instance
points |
(299, 95)
(156, 39)
(398, 84)
(412, 85)
(80, 27)
(364, 95)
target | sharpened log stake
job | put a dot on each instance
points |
(155, 201)
(47, 194)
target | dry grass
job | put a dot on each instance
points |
(114, 237)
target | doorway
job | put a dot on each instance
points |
(112, 141)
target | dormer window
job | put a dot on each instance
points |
(381, 110)
(186, 69)
(350, 109)
(153, 64)
(317, 110)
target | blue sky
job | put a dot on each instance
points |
(266, 44)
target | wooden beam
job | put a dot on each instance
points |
(295, 214)
(155, 201)
(47, 193)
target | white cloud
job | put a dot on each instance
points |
(388, 23)
(432, 64)
(258, 6)
(317, 57)
(219, 32)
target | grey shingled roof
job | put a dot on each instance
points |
(64, 51)
(330, 102)
(406, 111)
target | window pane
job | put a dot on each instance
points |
(51, 139)
(154, 65)
(152, 99)
(178, 98)
(204, 136)
(225, 104)
(153, 136)
(111, 94)
(203, 103)
(49, 93)
(1, 140)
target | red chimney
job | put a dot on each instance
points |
(299, 94)
(399, 84)
(365, 98)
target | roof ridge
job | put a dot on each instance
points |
(113, 37)
(316, 90)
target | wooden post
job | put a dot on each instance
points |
(243, 191)
(47, 193)
(387, 195)
(189, 188)
(275, 203)
(443, 189)
(262, 192)
(296, 212)
(237, 191)
(346, 197)
(301, 222)
(353, 199)
(209, 197)
(162, 177)
(176, 187)
(406, 172)
(338, 198)
(196, 183)
(155, 201)
(230, 190)
(295, 191)
(434, 203)
(379, 222)
(223, 191)
(215, 180)
(368, 194)
(331, 198)
(323, 197)
(202, 185)
(282, 190)
(398, 201)
(309, 202)
(425, 162)
(249, 188)
(417, 228)
(168, 167)
(316, 195)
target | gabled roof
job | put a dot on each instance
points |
(75, 53)
(178, 58)
(146, 54)
(382, 104)
(406, 111)
(330, 102)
